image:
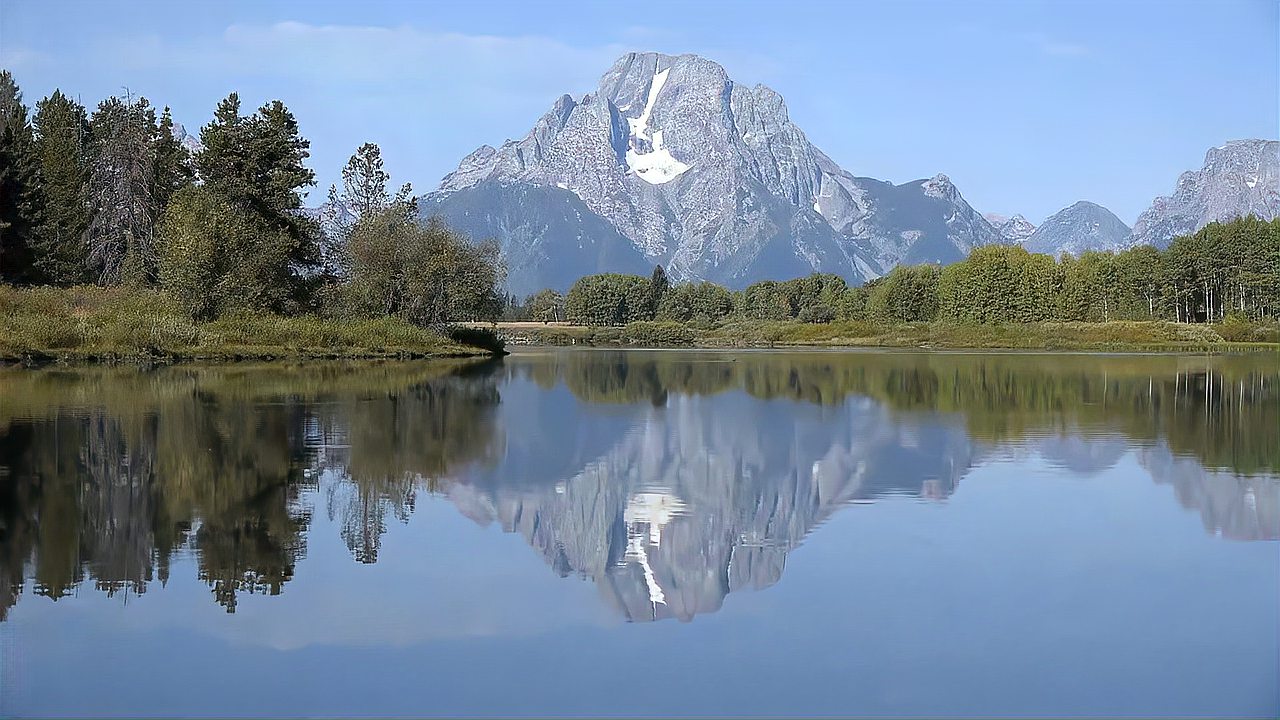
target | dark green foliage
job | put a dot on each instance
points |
(483, 338)
(820, 313)
(764, 301)
(609, 299)
(256, 163)
(852, 305)
(659, 283)
(172, 169)
(62, 150)
(999, 284)
(19, 186)
(770, 300)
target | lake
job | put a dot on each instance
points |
(644, 532)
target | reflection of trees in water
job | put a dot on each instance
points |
(105, 474)
(1208, 407)
(663, 476)
(382, 448)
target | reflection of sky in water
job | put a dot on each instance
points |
(1073, 571)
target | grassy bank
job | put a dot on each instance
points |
(122, 325)
(1102, 337)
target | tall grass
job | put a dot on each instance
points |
(125, 324)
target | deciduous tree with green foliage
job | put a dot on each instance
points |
(216, 257)
(545, 306)
(703, 301)
(609, 299)
(425, 274)
(908, 294)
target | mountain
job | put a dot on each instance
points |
(670, 161)
(1014, 229)
(1237, 179)
(1083, 226)
(189, 141)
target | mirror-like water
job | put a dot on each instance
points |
(587, 532)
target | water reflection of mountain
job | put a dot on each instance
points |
(708, 494)
(670, 479)
(685, 480)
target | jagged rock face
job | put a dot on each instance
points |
(1239, 178)
(706, 176)
(1015, 229)
(188, 141)
(1080, 228)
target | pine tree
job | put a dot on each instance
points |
(123, 209)
(19, 186)
(257, 163)
(172, 170)
(364, 182)
(62, 147)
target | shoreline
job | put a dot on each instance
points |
(1120, 337)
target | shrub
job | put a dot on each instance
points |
(657, 334)
(482, 338)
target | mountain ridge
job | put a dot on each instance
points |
(710, 178)
(669, 161)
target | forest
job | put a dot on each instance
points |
(112, 199)
(1224, 270)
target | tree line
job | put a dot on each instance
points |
(1223, 270)
(113, 198)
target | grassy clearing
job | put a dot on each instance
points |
(1103, 337)
(125, 325)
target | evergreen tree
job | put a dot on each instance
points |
(659, 284)
(172, 168)
(363, 195)
(257, 163)
(364, 182)
(19, 185)
(123, 207)
(62, 148)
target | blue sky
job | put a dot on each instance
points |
(1028, 106)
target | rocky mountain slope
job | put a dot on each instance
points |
(1014, 229)
(1082, 227)
(670, 161)
(1238, 178)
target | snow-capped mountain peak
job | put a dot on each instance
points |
(670, 161)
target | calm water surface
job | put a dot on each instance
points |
(645, 532)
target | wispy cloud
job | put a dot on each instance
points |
(378, 59)
(1057, 47)
(16, 58)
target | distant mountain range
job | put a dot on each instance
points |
(669, 161)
